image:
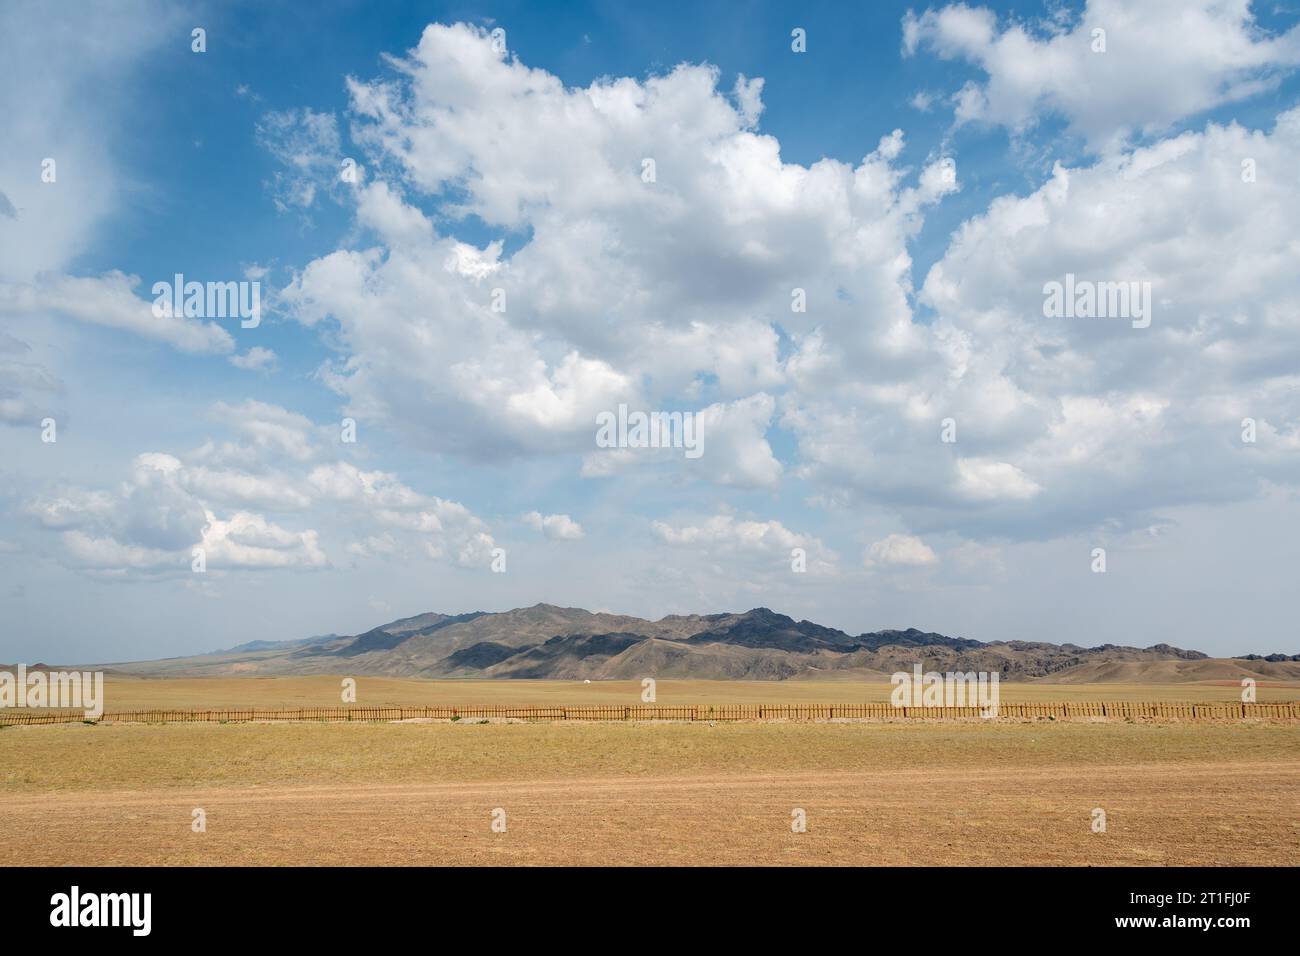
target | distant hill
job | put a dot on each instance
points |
(275, 645)
(549, 642)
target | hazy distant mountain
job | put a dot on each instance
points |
(548, 642)
(273, 645)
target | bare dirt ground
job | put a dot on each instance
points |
(640, 794)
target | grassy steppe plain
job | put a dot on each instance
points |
(952, 793)
(122, 693)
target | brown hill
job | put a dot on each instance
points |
(549, 642)
(1230, 671)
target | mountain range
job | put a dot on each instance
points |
(549, 642)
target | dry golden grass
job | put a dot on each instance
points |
(422, 793)
(125, 756)
(123, 693)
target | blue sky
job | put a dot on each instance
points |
(519, 168)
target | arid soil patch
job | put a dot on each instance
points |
(651, 794)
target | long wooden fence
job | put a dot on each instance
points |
(1122, 710)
